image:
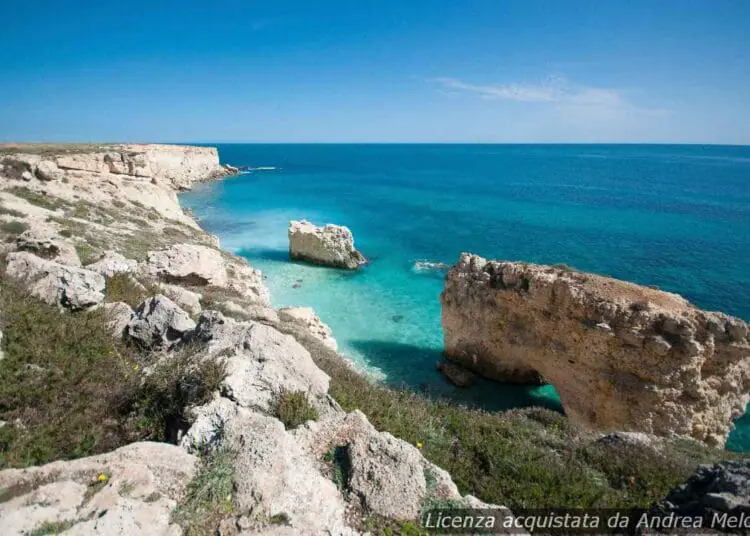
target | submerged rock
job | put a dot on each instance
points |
(621, 356)
(456, 374)
(332, 245)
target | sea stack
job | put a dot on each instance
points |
(331, 245)
(621, 356)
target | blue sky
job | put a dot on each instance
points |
(376, 71)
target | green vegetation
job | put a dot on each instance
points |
(520, 458)
(52, 527)
(64, 378)
(382, 526)
(176, 382)
(87, 253)
(37, 198)
(294, 409)
(14, 227)
(338, 460)
(123, 287)
(209, 495)
(68, 389)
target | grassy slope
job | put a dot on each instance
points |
(520, 458)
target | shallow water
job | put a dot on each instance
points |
(673, 216)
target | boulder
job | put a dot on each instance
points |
(388, 475)
(714, 490)
(272, 474)
(261, 361)
(158, 321)
(621, 356)
(187, 299)
(112, 263)
(248, 282)
(47, 170)
(56, 284)
(332, 245)
(306, 317)
(140, 485)
(119, 315)
(456, 374)
(48, 246)
(259, 313)
(187, 264)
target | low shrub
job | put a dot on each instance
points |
(14, 227)
(209, 495)
(294, 409)
(177, 382)
(62, 382)
(5, 211)
(122, 287)
(37, 198)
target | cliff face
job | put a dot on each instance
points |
(178, 165)
(621, 356)
(94, 228)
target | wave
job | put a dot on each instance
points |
(430, 267)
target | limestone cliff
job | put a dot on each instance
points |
(76, 224)
(621, 356)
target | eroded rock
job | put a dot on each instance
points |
(143, 483)
(48, 246)
(307, 317)
(57, 284)
(112, 263)
(714, 490)
(158, 321)
(662, 367)
(332, 245)
(187, 264)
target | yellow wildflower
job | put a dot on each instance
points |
(420, 444)
(102, 477)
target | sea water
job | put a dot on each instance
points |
(677, 217)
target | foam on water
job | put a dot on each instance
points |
(674, 216)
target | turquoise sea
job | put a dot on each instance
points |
(673, 216)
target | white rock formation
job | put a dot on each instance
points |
(306, 317)
(187, 299)
(57, 284)
(621, 356)
(112, 263)
(187, 264)
(261, 361)
(48, 246)
(158, 321)
(332, 245)
(144, 482)
(119, 315)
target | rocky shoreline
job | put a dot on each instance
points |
(254, 424)
(78, 226)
